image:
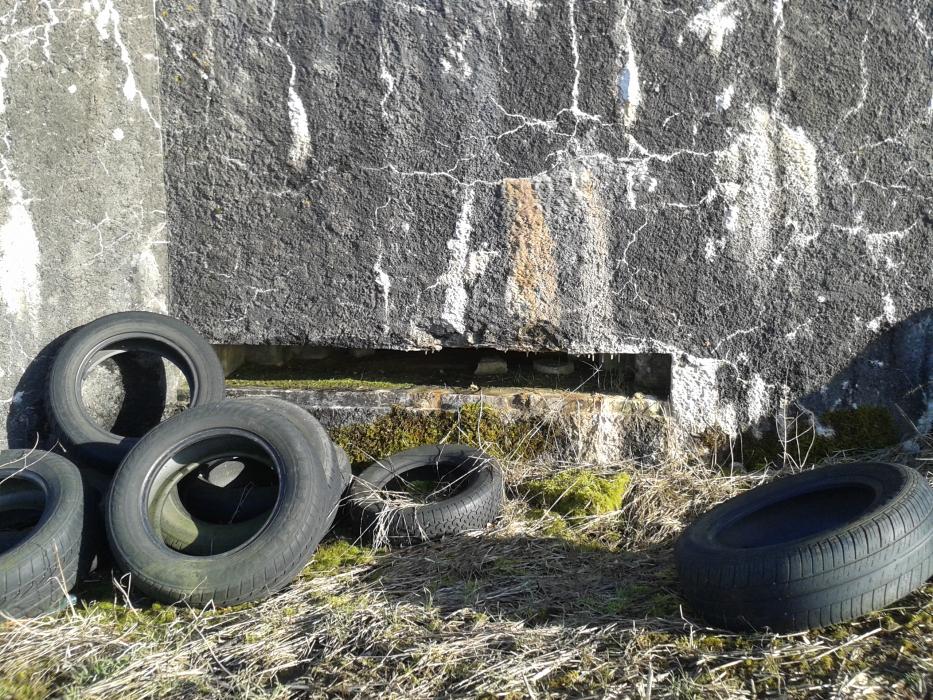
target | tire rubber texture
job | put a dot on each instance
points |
(90, 443)
(39, 569)
(864, 560)
(184, 531)
(264, 564)
(473, 507)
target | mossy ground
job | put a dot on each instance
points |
(578, 492)
(864, 429)
(335, 555)
(542, 604)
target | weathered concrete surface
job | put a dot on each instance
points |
(81, 195)
(744, 185)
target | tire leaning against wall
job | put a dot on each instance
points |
(108, 336)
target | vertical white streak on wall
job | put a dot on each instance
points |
(384, 282)
(108, 16)
(19, 250)
(298, 118)
(4, 74)
(455, 294)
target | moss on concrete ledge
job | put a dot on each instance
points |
(474, 424)
(312, 384)
(578, 492)
(865, 428)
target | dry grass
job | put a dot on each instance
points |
(537, 606)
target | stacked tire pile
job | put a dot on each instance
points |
(223, 503)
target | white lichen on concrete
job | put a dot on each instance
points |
(713, 24)
(769, 181)
(757, 399)
(747, 168)
(300, 149)
(799, 184)
(464, 266)
(454, 279)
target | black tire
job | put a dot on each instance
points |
(110, 336)
(266, 562)
(476, 503)
(183, 530)
(812, 549)
(40, 564)
(338, 466)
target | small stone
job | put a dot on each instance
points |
(556, 366)
(489, 365)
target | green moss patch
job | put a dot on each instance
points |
(865, 428)
(474, 424)
(578, 492)
(337, 555)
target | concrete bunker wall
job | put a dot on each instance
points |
(743, 186)
(746, 186)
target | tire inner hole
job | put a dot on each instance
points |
(430, 483)
(214, 495)
(230, 490)
(21, 506)
(131, 391)
(799, 517)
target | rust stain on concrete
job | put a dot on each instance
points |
(531, 293)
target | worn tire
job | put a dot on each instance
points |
(184, 531)
(41, 566)
(271, 558)
(812, 549)
(108, 336)
(473, 507)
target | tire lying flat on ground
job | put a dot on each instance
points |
(110, 336)
(265, 562)
(474, 479)
(42, 512)
(812, 549)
